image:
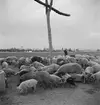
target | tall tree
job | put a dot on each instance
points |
(48, 8)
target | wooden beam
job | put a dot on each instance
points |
(51, 3)
(52, 8)
(46, 2)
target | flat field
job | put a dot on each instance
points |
(44, 54)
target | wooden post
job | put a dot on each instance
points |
(48, 10)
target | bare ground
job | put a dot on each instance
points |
(83, 94)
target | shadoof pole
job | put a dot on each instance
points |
(48, 10)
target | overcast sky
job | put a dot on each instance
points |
(23, 23)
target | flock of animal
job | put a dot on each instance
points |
(37, 71)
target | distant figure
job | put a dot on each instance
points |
(65, 52)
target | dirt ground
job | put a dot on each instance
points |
(83, 94)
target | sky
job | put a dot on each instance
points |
(23, 23)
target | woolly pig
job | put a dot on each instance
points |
(32, 68)
(44, 78)
(4, 65)
(11, 60)
(83, 62)
(51, 68)
(45, 61)
(92, 63)
(61, 61)
(91, 70)
(21, 61)
(27, 76)
(95, 77)
(70, 59)
(56, 80)
(96, 68)
(24, 67)
(2, 60)
(65, 77)
(36, 58)
(87, 73)
(37, 65)
(27, 61)
(77, 77)
(26, 85)
(54, 59)
(23, 71)
(8, 71)
(69, 68)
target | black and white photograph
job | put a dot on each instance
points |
(49, 52)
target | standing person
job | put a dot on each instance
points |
(65, 52)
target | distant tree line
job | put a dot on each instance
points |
(24, 50)
(31, 50)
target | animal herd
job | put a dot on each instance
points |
(37, 71)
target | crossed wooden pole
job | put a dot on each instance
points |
(52, 8)
(48, 8)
